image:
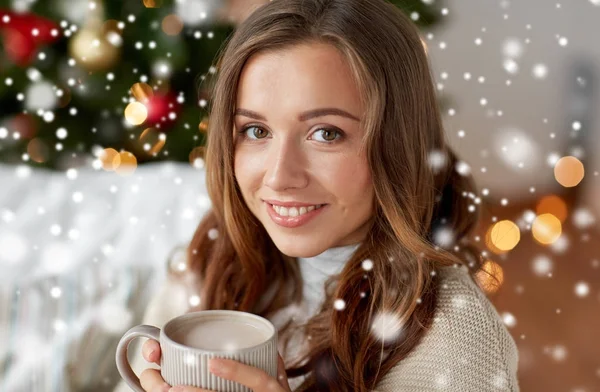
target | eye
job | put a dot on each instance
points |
(329, 134)
(256, 135)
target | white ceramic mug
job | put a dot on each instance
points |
(188, 341)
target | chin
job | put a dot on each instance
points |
(295, 248)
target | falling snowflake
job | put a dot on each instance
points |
(367, 265)
(190, 360)
(542, 266)
(194, 300)
(540, 71)
(443, 237)
(463, 168)
(583, 218)
(582, 289)
(509, 320)
(386, 326)
(339, 304)
(512, 48)
(437, 160)
(558, 353)
(213, 234)
(561, 244)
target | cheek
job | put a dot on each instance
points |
(351, 183)
(247, 172)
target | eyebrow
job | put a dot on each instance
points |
(304, 116)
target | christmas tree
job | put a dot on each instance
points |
(116, 83)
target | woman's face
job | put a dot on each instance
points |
(289, 149)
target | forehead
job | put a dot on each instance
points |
(305, 76)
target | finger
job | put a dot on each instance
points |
(281, 374)
(254, 378)
(187, 388)
(152, 381)
(151, 351)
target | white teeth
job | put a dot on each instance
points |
(293, 211)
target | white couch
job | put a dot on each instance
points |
(80, 256)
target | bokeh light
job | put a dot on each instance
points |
(152, 141)
(172, 25)
(142, 92)
(126, 163)
(569, 171)
(554, 205)
(503, 236)
(107, 157)
(37, 150)
(203, 126)
(152, 3)
(490, 277)
(136, 113)
(546, 229)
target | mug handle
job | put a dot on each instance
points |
(123, 365)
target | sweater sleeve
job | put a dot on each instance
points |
(169, 302)
(468, 348)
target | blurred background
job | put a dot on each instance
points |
(103, 114)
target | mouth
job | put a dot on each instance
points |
(293, 216)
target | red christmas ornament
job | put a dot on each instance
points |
(163, 110)
(24, 33)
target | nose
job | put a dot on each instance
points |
(286, 165)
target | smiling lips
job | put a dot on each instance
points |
(293, 216)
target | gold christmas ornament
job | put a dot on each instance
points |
(152, 141)
(142, 92)
(95, 46)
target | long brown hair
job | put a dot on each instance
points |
(235, 260)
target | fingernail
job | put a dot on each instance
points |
(176, 389)
(150, 354)
(165, 388)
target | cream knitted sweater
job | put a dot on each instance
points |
(468, 348)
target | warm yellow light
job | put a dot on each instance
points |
(136, 113)
(107, 157)
(569, 171)
(152, 141)
(490, 277)
(127, 163)
(554, 205)
(546, 229)
(203, 126)
(196, 156)
(142, 92)
(505, 235)
(152, 3)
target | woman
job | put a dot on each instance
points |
(338, 212)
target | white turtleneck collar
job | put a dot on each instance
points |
(317, 269)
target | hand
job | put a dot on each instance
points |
(254, 378)
(151, 379)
